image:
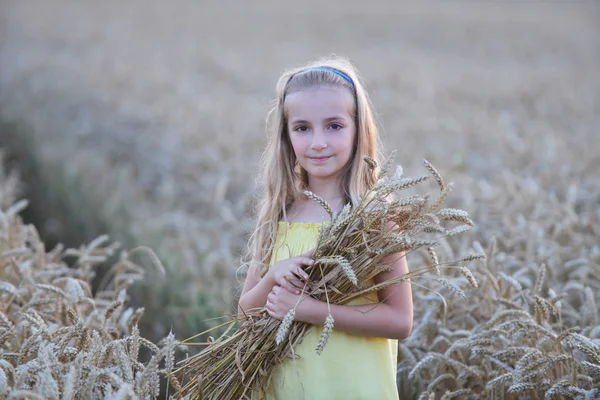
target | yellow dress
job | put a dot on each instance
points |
(350, 367)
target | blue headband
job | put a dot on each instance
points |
(335, 71)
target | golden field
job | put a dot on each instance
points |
(144, 121)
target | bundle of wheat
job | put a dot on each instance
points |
(349, 253)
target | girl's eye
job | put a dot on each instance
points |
(335, 127)
(301, 128)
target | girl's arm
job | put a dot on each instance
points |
(284, 274)
(255, 291)
(391, 318)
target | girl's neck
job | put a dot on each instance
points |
(329, 192)
(308, 211)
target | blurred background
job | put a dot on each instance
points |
(145, 119)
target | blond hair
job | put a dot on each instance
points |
(283, 179)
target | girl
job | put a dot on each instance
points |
(320, 129)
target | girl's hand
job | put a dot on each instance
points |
(287, 273)
(280, 301)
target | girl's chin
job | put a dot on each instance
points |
(321, 174)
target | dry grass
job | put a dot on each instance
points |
(57, 339)
(127, 107)
(531, 329)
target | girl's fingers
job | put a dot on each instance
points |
(299, 270)
(306, 261)
(297, 280)
(301, 273)
(296, 283)
(290, 286)
(309, 253)
(281, 282)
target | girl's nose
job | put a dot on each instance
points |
(318, 141)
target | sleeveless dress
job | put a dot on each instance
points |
(350, 367)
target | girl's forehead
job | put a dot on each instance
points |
(319, 100)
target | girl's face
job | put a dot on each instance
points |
(322, 129)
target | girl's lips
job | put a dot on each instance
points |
(319, 159)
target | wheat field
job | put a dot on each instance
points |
(144, 121)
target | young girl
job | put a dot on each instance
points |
(321, 128)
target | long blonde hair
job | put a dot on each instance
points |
(283, 179)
